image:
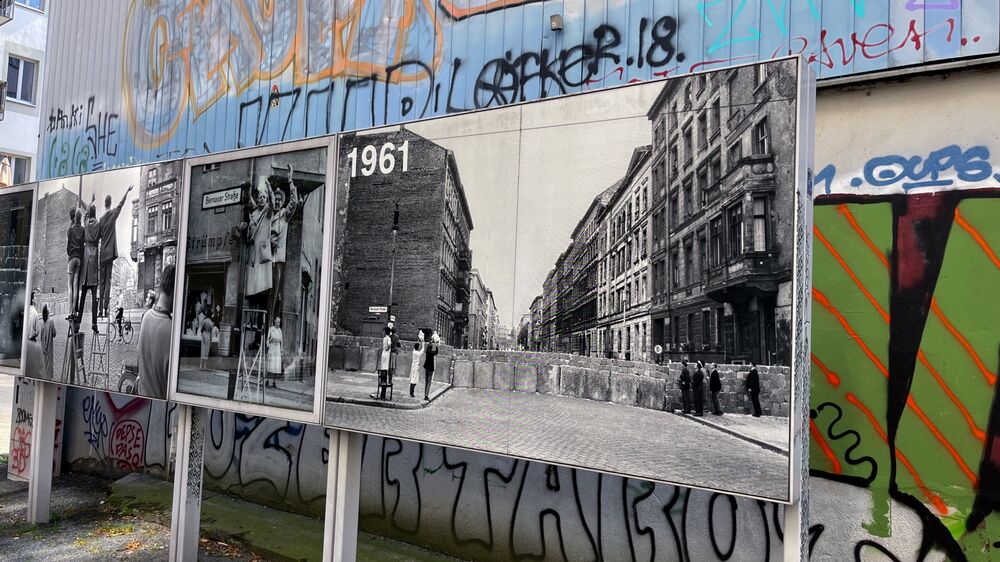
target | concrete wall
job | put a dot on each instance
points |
(643, 385)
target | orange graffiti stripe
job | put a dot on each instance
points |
(818, 438)
(819, 297)
(976, 431)
(831, 377)
(938, 313)
(977, 237)
(935, 500)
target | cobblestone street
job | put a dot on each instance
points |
(214, 382)
(598, 435)
(119, 352)
(357, 387)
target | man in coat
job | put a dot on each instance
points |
(109, 248)
(715, 387)
(698, 385)
(685, 384)
(753, 389)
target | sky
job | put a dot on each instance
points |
(113, 182)
(530, 173)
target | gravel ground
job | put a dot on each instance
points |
(85, 526)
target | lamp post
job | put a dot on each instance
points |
(392, 261)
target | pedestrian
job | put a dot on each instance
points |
(32, 319)
(153, 345)
(259, 275)
(89, 279)
(383, 363)
(685, 384)
(698, 385)
(206, 340)
(109, 247)
(394, 352)
(74, 253)
(753, 389)
(283, 213)
(274, 370)
(417, 363)
(430, 354)
(715, 387)
(120, 313)
(46, 337)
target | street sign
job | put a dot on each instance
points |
(378, 309)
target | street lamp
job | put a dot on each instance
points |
(392, 262)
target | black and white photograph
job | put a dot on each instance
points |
(602, 280)
(249, 299)
(15, 237)
(104, 248)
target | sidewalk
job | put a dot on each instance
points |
(93, 519)
(357, 387)
(766, 431)
(214, 382)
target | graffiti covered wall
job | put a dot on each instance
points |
(139, 81)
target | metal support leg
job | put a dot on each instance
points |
(43, 436)
(185, 520)
(343, 491)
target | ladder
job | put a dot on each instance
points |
(100, 349)
(73, 357)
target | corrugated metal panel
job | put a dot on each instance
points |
(142, 81)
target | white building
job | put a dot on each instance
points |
(22, 52)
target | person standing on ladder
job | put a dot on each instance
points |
(109, 247)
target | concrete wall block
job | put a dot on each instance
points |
(547, 381)
(337, 357)
(462, 376)
(597, 385)
(624, 389)
(651, 393)
(571, 382)
(525, 377)
(370, 359)
(503, 376)
(483, 375)
(352, 358)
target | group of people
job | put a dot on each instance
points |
(91, 250)
(693, 389)
(424, 353)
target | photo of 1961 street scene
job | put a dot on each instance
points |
(102, 276)
(602, 280)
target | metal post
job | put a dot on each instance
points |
(185, 519)
(392, 264)
(343, 490)
(42, 445)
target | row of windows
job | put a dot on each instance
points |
(159, 217)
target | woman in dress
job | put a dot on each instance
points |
(383, 362)
(259, 274)
(47, 338)
(274, 353)
(206, 340)
(417, 364)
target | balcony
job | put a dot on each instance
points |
(464, 259)
(6, 11)
(754, 272)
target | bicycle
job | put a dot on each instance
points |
(128, 380)
(123, 334)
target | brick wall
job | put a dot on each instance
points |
(365, 270)
(49, 258)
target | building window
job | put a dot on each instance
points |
(703, 183)
(36, 4)
(706, 333)
(760, 229)
(702, 260)
(716, 116)
(688, 145)
(717, 242)
(688, 197)
(760, 74)
(168, 215)
(761, 138)
(689, 329)
(151, 218)
(21, 79)
(689, 277)
(19, 168)
(735, 154)
(675, 268)
(674, 210)
(673, 158)
(702, 130)
(736, 231)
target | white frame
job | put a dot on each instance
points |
(32, 187)
(20, 75)
(314, 416)
(797, 433)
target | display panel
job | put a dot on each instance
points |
(603, 281)
(251, 292)
(104, 247)
(15, 238)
